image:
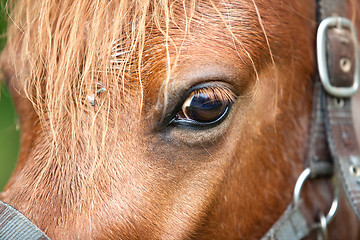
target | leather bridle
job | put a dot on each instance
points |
(333, 149)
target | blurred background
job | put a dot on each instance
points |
(9, 129)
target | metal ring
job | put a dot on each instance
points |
(322, 228)
(335, 203)
(298, 186)
(297, 192)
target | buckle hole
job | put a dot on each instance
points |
(354, 170)
(338, 102)
(345, 64)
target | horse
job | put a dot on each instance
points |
(165, 119)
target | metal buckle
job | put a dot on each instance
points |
(322, 58)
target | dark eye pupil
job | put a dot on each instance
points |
(202, 108)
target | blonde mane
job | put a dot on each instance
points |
(69, 50)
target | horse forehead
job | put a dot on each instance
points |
(221, 31)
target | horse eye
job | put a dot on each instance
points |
(207, 105)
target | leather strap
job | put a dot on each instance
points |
(332, 133)
(291, 225)
(344, 148)
(330, 8)
(341, 64)
(341, 57)
(14, 225)
(319, 158)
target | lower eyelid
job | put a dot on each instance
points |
(190, 124)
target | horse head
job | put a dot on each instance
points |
(162, 119)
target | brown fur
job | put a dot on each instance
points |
(113, 171)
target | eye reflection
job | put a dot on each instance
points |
(206, 105)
